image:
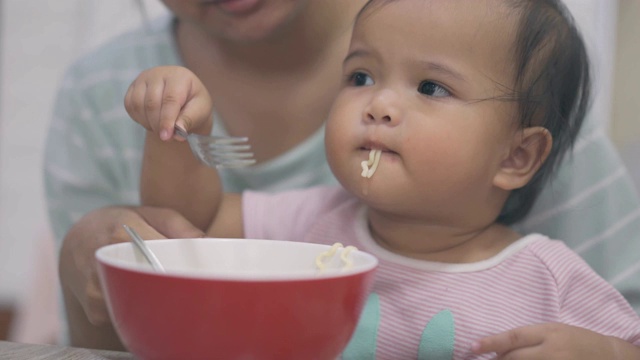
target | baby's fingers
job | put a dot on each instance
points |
(134, 102)
(155, 98)
(507, 341)
(174, 99)
(166, 96)
(153, 103)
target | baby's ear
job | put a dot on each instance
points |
(529, 150)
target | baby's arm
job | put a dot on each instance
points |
(172, 176)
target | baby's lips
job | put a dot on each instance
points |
(374, 145)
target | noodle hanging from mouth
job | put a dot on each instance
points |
(369, 166)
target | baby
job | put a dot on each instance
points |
(452, 117)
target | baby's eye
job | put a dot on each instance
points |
(360, 79)
(432, 89)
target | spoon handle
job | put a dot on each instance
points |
(146, 252)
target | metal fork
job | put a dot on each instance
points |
(219, 151)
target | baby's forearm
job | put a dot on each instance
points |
(172, 177)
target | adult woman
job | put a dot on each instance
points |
(273, 68)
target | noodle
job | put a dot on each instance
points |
(366, 163)
(327, 254)
(369, 166)
(324, 257)
(343, 255)
(375, 164)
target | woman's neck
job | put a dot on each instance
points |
(296, 47)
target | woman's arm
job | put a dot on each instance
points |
(87, 316)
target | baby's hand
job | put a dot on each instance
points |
(165, 96)
(554, 341)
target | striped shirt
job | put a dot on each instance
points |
(428, 310)
(94, 152)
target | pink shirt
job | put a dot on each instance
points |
(427, 310)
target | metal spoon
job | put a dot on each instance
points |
(146, 252)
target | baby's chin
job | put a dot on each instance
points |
(370, 190)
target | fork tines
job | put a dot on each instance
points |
(219, 151)
(227, 152)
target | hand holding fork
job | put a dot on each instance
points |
(169, 99)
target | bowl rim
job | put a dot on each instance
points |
(305, 275)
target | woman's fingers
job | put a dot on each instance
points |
(168, 223)
(94, 303)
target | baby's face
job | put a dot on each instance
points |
(421, 82)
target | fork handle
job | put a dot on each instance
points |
(180, 131)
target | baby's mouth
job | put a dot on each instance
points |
(375, 151)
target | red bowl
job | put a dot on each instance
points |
(234, 299)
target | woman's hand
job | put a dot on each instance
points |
(552, 341)
(164, 96)
(89, 322)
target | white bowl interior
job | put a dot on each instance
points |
(242, 259)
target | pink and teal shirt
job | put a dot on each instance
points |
(427, 310)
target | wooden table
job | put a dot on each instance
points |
(18, 351)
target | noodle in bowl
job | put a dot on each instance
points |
(235, 298)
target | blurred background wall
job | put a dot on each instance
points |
(625, 121)
(38, 39)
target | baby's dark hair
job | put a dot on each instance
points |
(552, 86)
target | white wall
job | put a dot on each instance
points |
(39, 39)
(597, 21)
(625, 127)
